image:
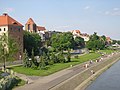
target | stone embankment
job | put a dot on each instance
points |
(84, 78)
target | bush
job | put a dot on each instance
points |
(76, 56)
(10, 82)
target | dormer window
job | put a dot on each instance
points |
(4, 29)
(14, 22)
(5, 14)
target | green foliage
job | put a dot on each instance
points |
(34, 61)
(79, 42)
(58, 66)
(8, 47)
(61, 57)
(42, 63)
(26, 62)
(46, 58)
(76, 56)
(62, 41)
(31, 40)
(68, 56)
(15, 83)
(116, 41)
(95, 42)
(53, 58)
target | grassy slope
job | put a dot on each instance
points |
(60, 66)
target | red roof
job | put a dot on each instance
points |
(30, 21)
(108, 38)
(40, 28)
(77, 31)
(7, 20)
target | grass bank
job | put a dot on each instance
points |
(57, 67)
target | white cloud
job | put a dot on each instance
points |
(116, 13)
(113, 12)
(107, 13)
(87, 7)
(116, 9)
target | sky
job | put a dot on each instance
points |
(88, 16)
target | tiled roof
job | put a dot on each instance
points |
(76, 31)
(7, 20)
(40, 28)
(30, 21)
(108, 38)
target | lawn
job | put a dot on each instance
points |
(57, 67)
(107, 51)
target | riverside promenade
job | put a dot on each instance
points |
(67, 79)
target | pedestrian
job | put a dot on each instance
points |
(92, 72)
(86, 65)
(91, 61)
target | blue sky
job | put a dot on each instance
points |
(89, 16)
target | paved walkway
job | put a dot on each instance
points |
(47, 82)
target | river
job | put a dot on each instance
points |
(109, 80)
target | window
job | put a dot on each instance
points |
(4, 29)
(0, 29)
(19, 29)
(28, 27)
(19, 38)
(11, 28)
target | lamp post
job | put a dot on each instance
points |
(19, 57)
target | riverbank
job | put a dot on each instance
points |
(81, 80)
(92, 78)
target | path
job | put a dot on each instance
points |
(47, 82)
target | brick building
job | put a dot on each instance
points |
(12, 28)
(31, 26)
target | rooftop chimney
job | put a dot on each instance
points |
(5, 14)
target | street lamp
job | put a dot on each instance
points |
(20, 57)
(30, 59)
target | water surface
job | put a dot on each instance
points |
(109, 80)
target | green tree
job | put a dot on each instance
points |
(61, 57)
(32, 40)
(53, 57)
(8, 48)
(34, 61)
(95, 42)
(26, 61)
(68, 56)
(46, 58)
(42, 63)
(79, 42)
(62, 41)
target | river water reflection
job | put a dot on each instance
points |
(109, 80)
